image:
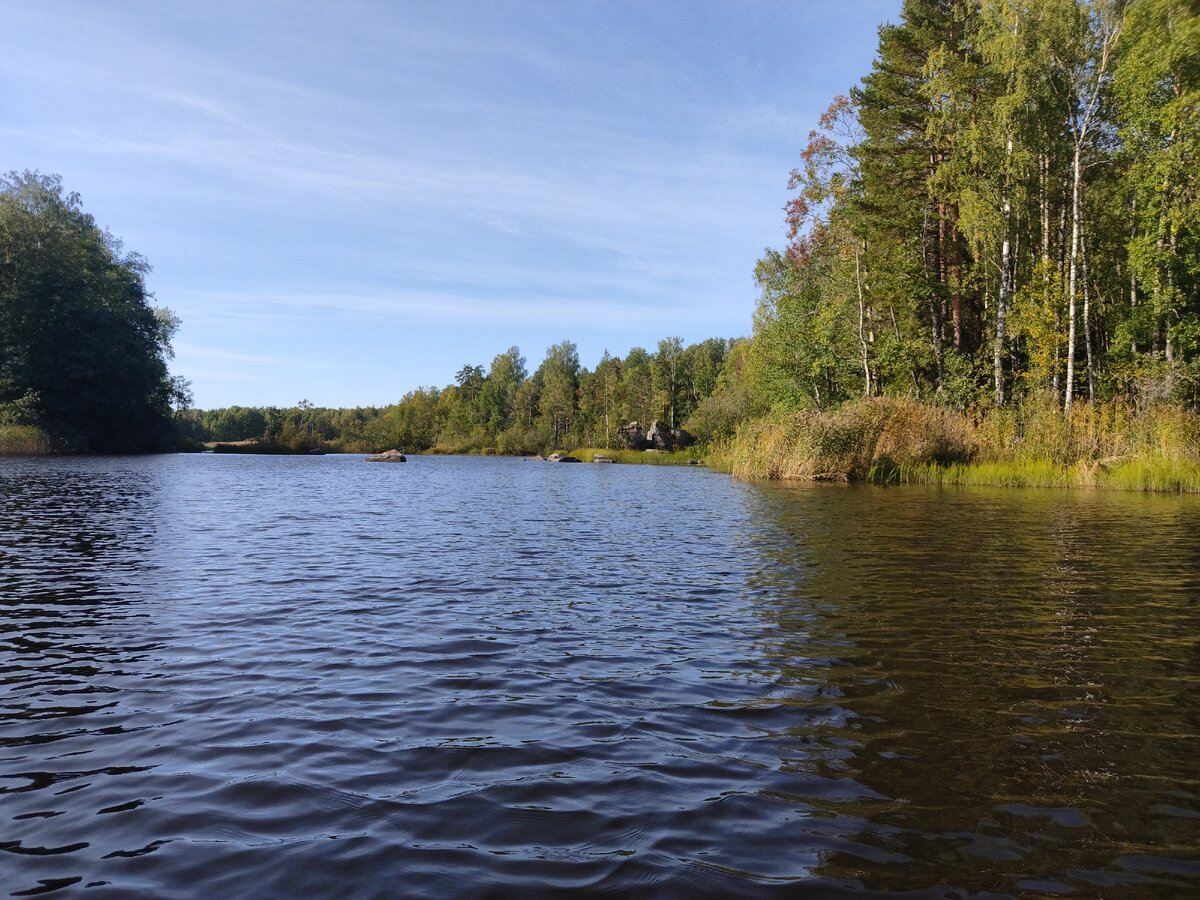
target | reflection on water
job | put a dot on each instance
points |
(244, 677)
(1019, 671)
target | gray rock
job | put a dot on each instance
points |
(682, 438)
(388, 456)
(659, 437)
(631, 437)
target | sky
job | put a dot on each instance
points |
(344, 201)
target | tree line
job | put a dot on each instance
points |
(1007, 205)
(502, 409)
(83, 350)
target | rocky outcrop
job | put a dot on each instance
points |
(659, 437)
(388, 456)
(631, 437)
(559, 457)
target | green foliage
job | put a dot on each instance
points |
(1011, 194)
(82, 350)
(505, 411)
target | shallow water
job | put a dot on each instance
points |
(257, 676)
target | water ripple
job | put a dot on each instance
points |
(476, 677)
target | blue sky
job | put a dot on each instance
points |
(347, 200)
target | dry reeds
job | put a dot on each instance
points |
(897, 440)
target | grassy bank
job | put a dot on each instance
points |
(900, 441)
(23, 440)
(642, 457)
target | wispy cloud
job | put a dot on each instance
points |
(605, 170)
(276, 308)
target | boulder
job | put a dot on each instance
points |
(682, 438)
(388, 456)
(659, 437)
(558, 457)
(631, 437)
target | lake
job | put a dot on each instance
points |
(306, 676)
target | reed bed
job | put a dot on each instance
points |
(641, 457)
(23, 440)
(902, 441)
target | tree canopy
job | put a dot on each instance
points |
(83, 352)
(1005, 206)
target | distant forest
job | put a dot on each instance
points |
(505, 409)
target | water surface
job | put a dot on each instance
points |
(255, 676)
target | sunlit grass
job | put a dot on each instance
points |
(1166, 475)
(23, 440)
(653, 458)
(901, 441)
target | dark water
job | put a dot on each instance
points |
(230, 676)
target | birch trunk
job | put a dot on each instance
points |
(1002, 302)
(1087, 320)
(862, 314)
(1072, 272)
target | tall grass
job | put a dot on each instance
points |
(642, 457)
(23, 440)
(859, 441)
(901, 441)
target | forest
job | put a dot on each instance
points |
(995, 234)
(505, 409)
(1005, 206)
(993, 258)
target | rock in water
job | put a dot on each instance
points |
(388, 456)
(558, 457)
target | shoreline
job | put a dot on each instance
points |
(887, 441)
(902, 441)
